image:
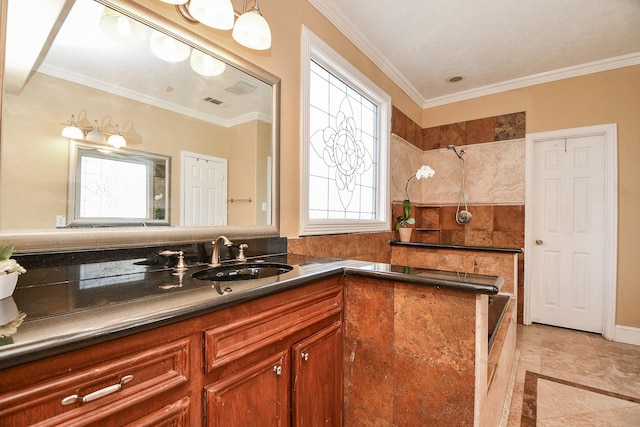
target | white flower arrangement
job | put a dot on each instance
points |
(425, 172)
(8, 265)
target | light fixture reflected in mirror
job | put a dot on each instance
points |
(117, 140)
(167, 48)
(250, 30)
(94, 135)
(121, 28)
(206, 65)
(72, 131)
(97, 135)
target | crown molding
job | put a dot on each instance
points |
(535, 79)
(360, 40)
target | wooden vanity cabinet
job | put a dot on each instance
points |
(258, 392)
(257, 363)
(280, 365)
(317, 384)
(141, 380)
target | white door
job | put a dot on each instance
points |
(567, 276)
(204, 190)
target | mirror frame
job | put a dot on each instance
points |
(43, 241)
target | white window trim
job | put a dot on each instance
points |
(314, 48)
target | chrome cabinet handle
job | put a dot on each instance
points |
(98, 393)
(305, 356)
(277, 369)
(539, 241)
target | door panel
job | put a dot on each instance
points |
(568, 228)
(317, 385)
(259, 392)
(204, 190)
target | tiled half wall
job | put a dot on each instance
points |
(494, 183)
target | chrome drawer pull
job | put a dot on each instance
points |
(98, 393)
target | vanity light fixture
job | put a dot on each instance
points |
(72, 131)
(213, 13)
(117, 140)
(250, 30)
(94, 134)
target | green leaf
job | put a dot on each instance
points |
(406, 205)
(6, 252)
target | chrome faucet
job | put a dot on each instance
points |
(215, 249)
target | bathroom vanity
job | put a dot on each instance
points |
(104, 345)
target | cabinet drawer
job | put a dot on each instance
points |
(109, 387)
(239, 337)
(175, 414)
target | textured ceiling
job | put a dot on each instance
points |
(494, 45)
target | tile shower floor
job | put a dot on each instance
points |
(571, 378)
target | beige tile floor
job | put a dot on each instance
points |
(571, 378)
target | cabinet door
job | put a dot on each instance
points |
(317, 379)
(255, 396)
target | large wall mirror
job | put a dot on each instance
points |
(103, 71)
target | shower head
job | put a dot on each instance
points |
(455, 150)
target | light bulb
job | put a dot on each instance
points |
(213, 13)
(252, 30)
(117, 140)
(72, 130)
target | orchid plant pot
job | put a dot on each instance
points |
(405, 234)
(8, 284)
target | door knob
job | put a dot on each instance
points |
(539, 241)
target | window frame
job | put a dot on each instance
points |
(78, 150)
(313, 48)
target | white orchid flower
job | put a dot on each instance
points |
(425, 172)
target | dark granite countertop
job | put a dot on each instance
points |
(456, 247)
(78, 303)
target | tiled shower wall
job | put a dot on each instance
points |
(494, 139)
(489, 129)
(493, 226)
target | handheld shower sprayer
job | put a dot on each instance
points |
(463, 216)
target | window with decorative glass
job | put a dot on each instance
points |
(345, 171)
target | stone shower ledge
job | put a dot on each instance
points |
(456, 247)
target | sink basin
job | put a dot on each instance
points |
(233, 272)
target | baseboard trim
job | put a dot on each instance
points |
(627, 334)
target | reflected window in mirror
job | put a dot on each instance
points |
(109, 187)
